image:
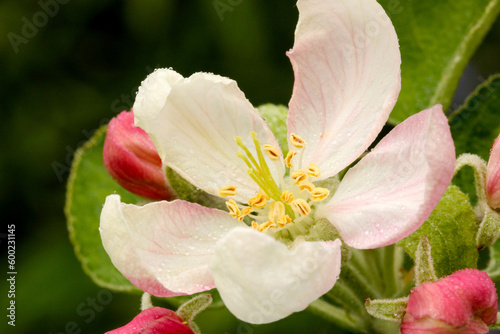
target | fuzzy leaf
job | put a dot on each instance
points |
(432, 63)
(88, 185)
(451, 230)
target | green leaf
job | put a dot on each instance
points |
(437, 39)
(87, 188)
(475, 126)
(451, 230)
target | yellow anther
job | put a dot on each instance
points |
(255, 225)
(287, 197)
(297, 141)
(319, 194)
(258, 201)
(283, 220)
(234, 211)
(306, 185)
(276, 210)
(267, 225)
(288, 159)
(313, 170)
(298, 176)
(301, 206)
(246, 211)
(229, 190)
(272, 152)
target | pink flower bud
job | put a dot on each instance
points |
(131, 158)
(493, 176)
(464, 302)
(155, 320)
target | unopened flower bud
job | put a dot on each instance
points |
(154, 320)
(464, 302)
(132, 160)
(493, 176)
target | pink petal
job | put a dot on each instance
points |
(155, 320)
(131, 159)
(394, 188)
(163, 248)
(195, 126)
(347, 79)
(261, 280)
(464, 302)
(493, 176)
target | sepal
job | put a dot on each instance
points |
(424, 266)
(489, 230)
(387, 309)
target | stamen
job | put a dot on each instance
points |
(267, 225)
(298, 176)
(288, 159)
(234, 211)
(301, 206)
(319, 194)
(276, 210)
(306, 185)
(258, 201)
(297, 141)
(283, 220)
(287, 197)
(246, 211)
(255, 225)
(272, 152)
(229, 190)
(313, 170)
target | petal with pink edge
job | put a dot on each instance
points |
(394, 188)
(346, 61)
(493, 176)
(194, 129)
(163, 247)
(261, 280)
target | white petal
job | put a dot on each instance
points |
(163, 247)
(394, 188)
(194, 128)
(347, 79)
(260, 280)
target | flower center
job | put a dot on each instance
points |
(279, 202)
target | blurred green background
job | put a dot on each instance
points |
(78, 67)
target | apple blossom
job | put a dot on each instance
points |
(154, 320)
(493, 176)
(464, 302)
(208, 132)
(132, 160)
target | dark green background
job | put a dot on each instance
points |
(76, 72)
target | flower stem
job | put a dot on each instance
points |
(391, 283)
(338, 316)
